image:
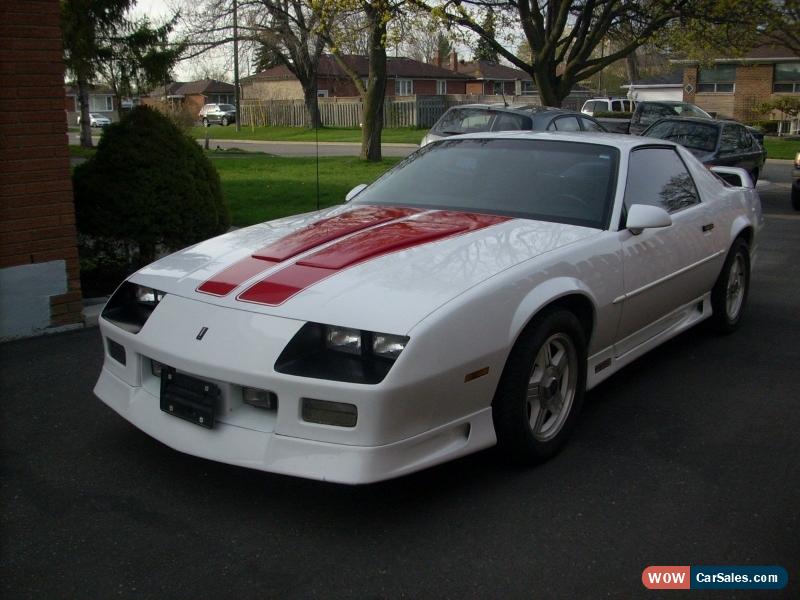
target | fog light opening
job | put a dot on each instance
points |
(257, 398)
(156, 368)
(324, 412)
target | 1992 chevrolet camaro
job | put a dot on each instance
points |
(466, 298)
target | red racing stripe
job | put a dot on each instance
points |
(300, 241)
(394, 237)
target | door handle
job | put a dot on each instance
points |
(708, 227)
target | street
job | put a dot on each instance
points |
(687, 457)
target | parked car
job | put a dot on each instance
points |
(478, 118)
(647, 113)
(467, 297)
(723, 143)
(605, 105)
(796, 183)
(224, 114)
(96, 120)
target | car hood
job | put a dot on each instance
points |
(377, 268)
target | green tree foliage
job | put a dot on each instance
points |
(483, 49)
(85, 24)
(443, 46)
(732, 27)
(139, 58)
(149, 185)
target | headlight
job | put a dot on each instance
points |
(340, 354)
(131, 306)
(388, 346)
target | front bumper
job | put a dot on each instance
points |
(405, 423)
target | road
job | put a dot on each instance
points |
(293, 148)
(687, 457)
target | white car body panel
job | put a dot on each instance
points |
(462, 301)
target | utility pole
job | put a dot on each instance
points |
(236, 63)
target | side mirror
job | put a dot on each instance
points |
(646, 216)
(355, 192)
(735, 176)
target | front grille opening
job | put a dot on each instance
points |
(116, 351)
(324, 412)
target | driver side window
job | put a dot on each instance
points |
(657, 176)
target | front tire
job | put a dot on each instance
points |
(541, 390)
(796, 197)
(729, 294)
(205, 122)
(224, 121)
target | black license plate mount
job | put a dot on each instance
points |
(189, 398)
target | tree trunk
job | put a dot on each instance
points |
(313, 119)
(86, 121)
(632, 67)
(372, 110)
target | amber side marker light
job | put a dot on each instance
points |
(476, 374)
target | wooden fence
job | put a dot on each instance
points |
(404, 111)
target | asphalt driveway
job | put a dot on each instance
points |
(687, 457)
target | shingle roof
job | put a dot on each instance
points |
(187, 88)
(484, 69)
(72, 90)
(395, 67)
(672, 77)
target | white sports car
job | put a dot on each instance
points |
(467, 298)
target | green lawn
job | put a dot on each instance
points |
(81, 152)
(261, 187)
(301, 134)
(781, 147)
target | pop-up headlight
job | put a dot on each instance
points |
(131, 306)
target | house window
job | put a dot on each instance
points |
(223, 99)
(718, 79)
(101, 104)
(403, 87)
(322, 93)
(787, 77)
(528, 88)
(498, 88)
(441, 87)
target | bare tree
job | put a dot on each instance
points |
(289, 28)
(564, 36)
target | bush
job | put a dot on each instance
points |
(149, 186)
(765, 126)
(613, 115)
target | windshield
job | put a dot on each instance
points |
(690, 110)
(227, 107)
(548, 180)
(698, 136)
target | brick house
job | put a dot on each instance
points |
(488, 78)
(191, 95)
(39, 272)
(101, 102)
(734, 87)
(405, 77)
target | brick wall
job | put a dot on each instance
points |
(37, 214)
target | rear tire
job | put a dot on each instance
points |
(540, 393)
(729, 294)
(796, 197)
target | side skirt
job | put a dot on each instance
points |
(603, 364)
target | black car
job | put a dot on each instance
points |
(224, 114)
(715, 143)
(478, 118)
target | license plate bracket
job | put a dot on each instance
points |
(189, 398)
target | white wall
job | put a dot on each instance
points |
(675, 93)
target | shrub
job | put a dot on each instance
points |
(613, 115)
(764, 125)
(150, 186)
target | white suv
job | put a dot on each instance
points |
(601, 105)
